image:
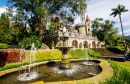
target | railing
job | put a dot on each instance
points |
(70, 34)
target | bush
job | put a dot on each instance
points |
(102, 45)
(60, 43)
(107, 46)
(80, 45)
(89, 45)
(11, 56)
(53, 44)
(82, 53)
(43, 46)
(3, 45)
(47, 55)
(121, 75)
(98, 45)
(27, 42)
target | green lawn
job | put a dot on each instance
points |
(125, 64)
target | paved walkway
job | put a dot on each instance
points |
(115, 57)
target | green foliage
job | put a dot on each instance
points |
(48, 55)
(14, 65)
(97, 44)
(60, 43)
(52, 27)
(7, 36)
(105, 31)
(53, 44)
(11, 34)
(82, 53)
(119, 48)
(89, 45)
(4, 21)
(43, 46)
(107, 46)
(81, 44)
(118, 11)
(3, 45)
(121, 75)
(26, 42)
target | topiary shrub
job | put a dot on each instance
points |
(80, 45)
(60, 43)
(53, 44)
(3, 45)
(89, 45)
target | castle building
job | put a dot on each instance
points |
(79, 36)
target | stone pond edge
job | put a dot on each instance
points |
(107, 72)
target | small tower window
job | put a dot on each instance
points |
(88, 29)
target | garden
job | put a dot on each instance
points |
(27, 25)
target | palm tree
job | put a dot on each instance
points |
(118, 11)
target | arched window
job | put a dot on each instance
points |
(75, 43)
(89, 30)
(85, 44)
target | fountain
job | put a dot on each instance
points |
(30, 75)
(88, 62)
(64, 64)
(53, 71)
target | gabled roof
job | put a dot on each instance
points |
(87, 18)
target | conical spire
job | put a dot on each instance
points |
(87, 18)
(56, 15)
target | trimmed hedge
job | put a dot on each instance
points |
(82, 53)
(3, 45)
(47, 55)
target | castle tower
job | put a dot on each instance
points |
(88, 27)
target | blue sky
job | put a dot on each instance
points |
(99, 8)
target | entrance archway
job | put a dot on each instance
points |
(75, 43)
(85, 44)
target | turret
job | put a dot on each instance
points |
(88, 26)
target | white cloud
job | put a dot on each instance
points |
(2, 9)
(102, 9)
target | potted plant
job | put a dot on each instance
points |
(80, 45)
(98, 45)
(60, 43)
(53, 44)
(89, 45)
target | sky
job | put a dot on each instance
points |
(101, 9)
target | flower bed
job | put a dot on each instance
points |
(11, 56)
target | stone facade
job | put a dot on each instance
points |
(81, 34)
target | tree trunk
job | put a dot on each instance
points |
(122, 29)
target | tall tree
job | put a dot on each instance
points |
(83, 7)
(50, 6)
(96, 25)
(118, 11)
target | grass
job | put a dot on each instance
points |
(121, 74)
(125, 64)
